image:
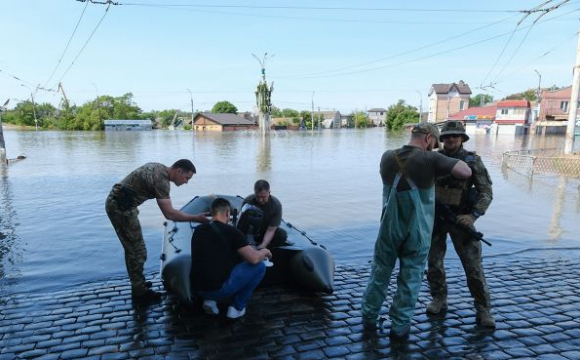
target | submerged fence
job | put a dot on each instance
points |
(542, 161)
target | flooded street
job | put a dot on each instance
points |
(54, 233)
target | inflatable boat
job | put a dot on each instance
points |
(303, 262)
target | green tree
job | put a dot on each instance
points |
(307, 116)
(224, 107)
(276, 112)
(480, 99)
(361, 119)
(529, 95)
(400, 114)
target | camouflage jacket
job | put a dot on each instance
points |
(479, 180)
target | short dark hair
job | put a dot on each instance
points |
(261, 185)
(219, 205)
(184, 164)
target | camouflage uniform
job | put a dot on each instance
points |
(455, 193)
(150, 181)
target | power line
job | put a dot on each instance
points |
(537, 9)
(86, 42)
(431, 55)
(67, 45)
(326, 8)
(399, 54)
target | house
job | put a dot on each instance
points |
(513, 117)
(347, 121)
(222, 122)
(377, 116)
(330, 119)
(554, 110)
(447, 99)
(127, 125)
(477, 119)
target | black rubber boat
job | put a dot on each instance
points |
(304, 263)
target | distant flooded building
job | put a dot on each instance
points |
(222, 122)
(513, 117)
(554, 110)
(377, 116)
(128, 125)
(447, 99)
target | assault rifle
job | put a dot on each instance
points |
(445, 213)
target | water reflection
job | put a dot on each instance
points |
(264, 158)
(9, 255)
(555, 231)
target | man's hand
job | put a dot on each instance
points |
(466, 220)
(267, 254)
(201, 218)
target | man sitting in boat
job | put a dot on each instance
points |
(269, 234)
(224, 264)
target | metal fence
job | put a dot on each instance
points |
(542, 161)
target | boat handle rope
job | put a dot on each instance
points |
(171, 233)
(303, 233)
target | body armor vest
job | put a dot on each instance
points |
(455, 192)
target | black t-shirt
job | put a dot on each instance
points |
(421, 166)
(272, 212)
(214, 256)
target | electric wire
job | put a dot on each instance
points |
(399, 54)
(85, 45)
(325, 8)
(430, 55)
(67, 45)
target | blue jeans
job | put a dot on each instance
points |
(241, 284)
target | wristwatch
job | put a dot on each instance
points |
(476, 214)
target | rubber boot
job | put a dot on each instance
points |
(485, 319)
(437, 306)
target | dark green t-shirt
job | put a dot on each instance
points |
(272, 212)
(422, 167)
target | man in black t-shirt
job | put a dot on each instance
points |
(269, 234)
(224, 264)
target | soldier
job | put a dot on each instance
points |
(408, 176)
(150, 181)
(469, 199)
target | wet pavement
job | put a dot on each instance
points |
(535, 302)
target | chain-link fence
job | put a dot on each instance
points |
(542, 161)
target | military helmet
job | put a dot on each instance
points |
(453, 127)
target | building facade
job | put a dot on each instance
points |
(377, 116)
(447, 99)
(128, 125)
(222, 122)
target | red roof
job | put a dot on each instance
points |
(513, 103)
(474, 113)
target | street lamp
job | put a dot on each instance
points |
(33, 106)
(420, 106)
(191, 98)
(539, 94)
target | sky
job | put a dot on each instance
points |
(341, 55)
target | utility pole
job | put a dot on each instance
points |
(2, 143)
(319, 125)
(420, 106)
(312, 113)
(569, 147)
(538, 96)
(191, 97)
(33, 106)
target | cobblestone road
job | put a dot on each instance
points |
(535, 302)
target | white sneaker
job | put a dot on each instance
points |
(210, 307)
(234, 313)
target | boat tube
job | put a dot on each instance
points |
(303, 262)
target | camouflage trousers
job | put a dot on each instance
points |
(128, 229)
(469, 252)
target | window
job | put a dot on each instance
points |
(381, 113)
(504, 111)
(462, 105)
(564, 106)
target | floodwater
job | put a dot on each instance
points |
(54, 233)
